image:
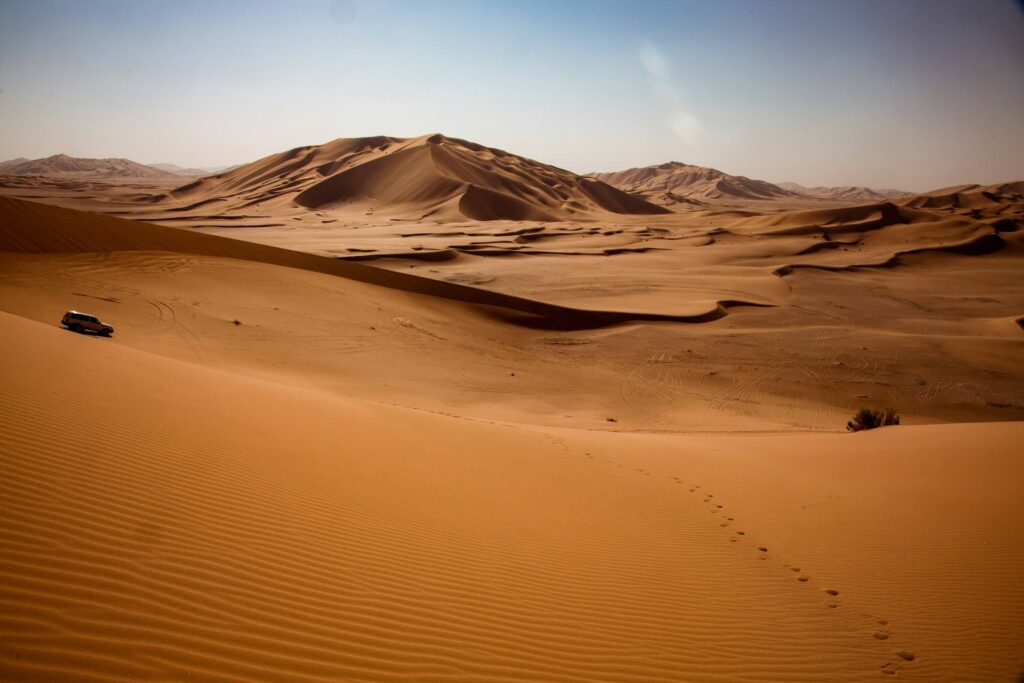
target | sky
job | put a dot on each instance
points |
(909, 94)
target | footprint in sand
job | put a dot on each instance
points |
(905, 656)
(803, 579)
(732, 540)
(831, 605)
(724, 524)
(889, 669)
(881, 635)
(731, 519)
(741, 533)
(832, 591)
(763, 549)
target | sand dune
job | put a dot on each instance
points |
(969, 198)
(427, 177)
(675, 183)
(192, 522)
(64, 166)
(39, 228)
(851, 193)
(11, 163)
(604, 447)
(348, 540)
(188, 172)
(750, 274)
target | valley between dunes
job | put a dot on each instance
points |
(414, 431)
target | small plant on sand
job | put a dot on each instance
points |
(870, 419)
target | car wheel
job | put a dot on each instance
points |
(74, 328)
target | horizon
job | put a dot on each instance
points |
(819, 94)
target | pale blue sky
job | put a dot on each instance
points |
(914, 94)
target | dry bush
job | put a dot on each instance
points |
(866, 418)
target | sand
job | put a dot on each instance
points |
(616, 454)
(67, 167)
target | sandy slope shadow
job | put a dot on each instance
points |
(30, 227)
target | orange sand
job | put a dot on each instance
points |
(577, 465)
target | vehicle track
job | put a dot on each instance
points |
(169, 321)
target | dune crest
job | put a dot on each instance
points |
(445, 179)
(64, 166)
(497, 460)
(675, 183)
(30, 227)
(853, 193)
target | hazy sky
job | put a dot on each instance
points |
(914, 94)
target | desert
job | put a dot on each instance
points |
(431, 406)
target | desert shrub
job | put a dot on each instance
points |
(866, 418)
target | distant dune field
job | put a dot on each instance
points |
(418, 409)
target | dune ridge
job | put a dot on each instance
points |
(856, 193)
(275, 532)
(30, 227)
(674, 183)
(489, 456)
(185, 521)
(64, 166)
(434, 176)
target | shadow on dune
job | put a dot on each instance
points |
(29, 227)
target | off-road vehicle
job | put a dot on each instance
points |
(76, 321)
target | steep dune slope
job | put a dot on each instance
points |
(185, 522)
(30, 227)
(431, 176)
(237, 485)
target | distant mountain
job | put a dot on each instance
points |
(64, 166)
(429, 176)
(192, 171)
(676, 183)
(847, 192)
(5, 165)
(178, 170)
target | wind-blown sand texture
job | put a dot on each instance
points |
(430, 176)
(606, 447)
